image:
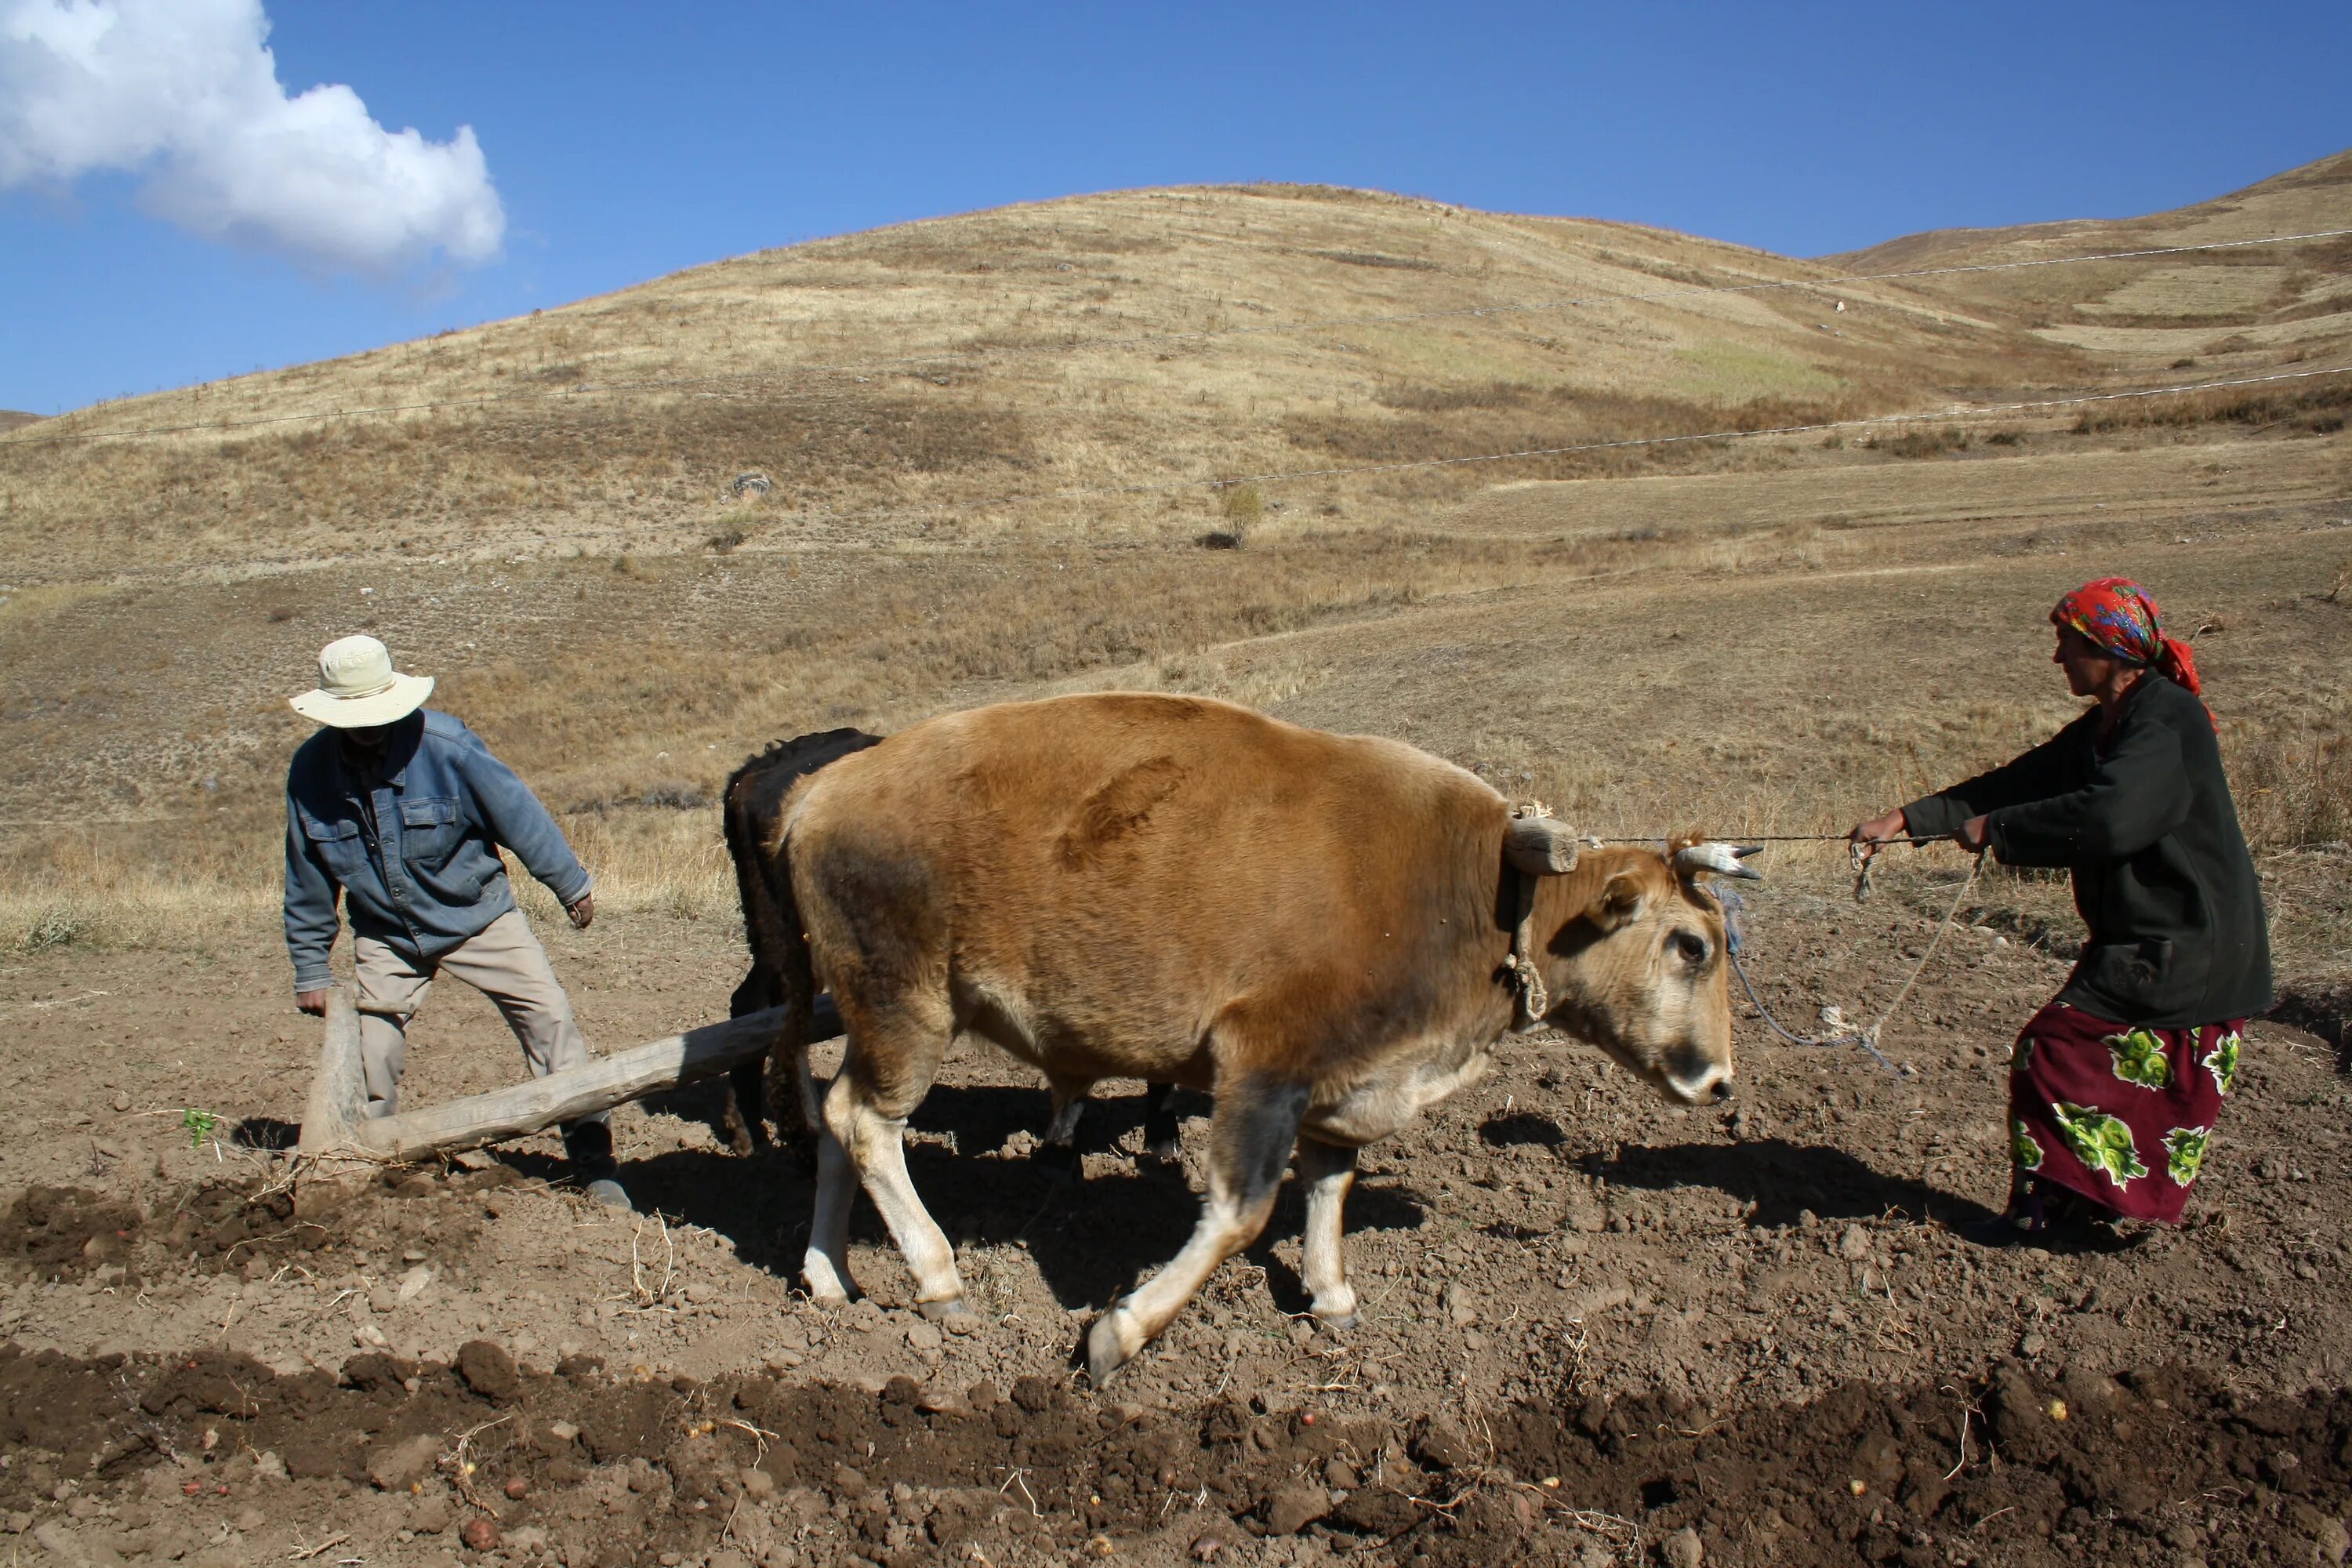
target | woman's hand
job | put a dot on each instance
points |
(1973, 834)
(1878, 830)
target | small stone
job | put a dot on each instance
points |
(479, 1534)
(2034, 1344)
(922, 1337)
(413, 1284)
(1293, 1507)
(1853, 1247)
(1206, 1548)
(122, 1101)
(779, 1362)
(962, 1324)
(518, 1489)
(1683, 1549)
(562, 1431)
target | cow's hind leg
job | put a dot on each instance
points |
(742, 1121)
(1162, 1134)
(1250, 1136)
(1057, 1156)
(1327, 1171)
(887, 1070)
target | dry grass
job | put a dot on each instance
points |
(2317, 407)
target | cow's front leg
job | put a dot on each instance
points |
(1327, 1171)
(1250, 1135)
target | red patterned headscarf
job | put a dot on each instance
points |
(2121, 617)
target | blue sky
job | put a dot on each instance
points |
(625, 141)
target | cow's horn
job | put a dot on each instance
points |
(1723, 859)
(1541, 845)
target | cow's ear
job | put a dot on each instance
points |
(1619, 903)
(1539, 846)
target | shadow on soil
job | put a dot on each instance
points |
(1090, 1239)
(1783, 1180)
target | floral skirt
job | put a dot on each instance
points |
(2119, 1113)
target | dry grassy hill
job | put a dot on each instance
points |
(1139, 338)
(10, 419)
(2216, 309)
(989, 441)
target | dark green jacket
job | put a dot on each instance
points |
(2161, 873)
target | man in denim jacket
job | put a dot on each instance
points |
(402, 810)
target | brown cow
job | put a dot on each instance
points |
(1328, 931)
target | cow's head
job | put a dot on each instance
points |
(1633, 953)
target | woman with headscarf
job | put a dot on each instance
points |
(2115, 1084)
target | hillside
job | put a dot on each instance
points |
(10, 419)
(1139, 338)
(987, 440)
(2221, 309)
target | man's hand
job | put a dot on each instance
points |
(1870, 835)
(1973, 834)
(312, 1002)
(583, 912)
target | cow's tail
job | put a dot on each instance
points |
(779, 956)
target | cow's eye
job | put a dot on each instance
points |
(1690, 947)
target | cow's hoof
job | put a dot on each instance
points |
(824, 1283)
(1107, 1349)
(944, 1309)
(1336, 1312)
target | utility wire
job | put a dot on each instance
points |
(1145, 340)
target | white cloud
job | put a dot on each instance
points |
(185, 94)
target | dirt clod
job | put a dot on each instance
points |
(488, 1370)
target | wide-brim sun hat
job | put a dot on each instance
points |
(357, 688)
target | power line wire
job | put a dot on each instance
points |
(1145, 340)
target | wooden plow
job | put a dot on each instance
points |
(335, 1122)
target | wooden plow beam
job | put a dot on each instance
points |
(336, 1121)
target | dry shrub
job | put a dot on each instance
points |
(1931, 442)
(2320, 408)
(2342, 584)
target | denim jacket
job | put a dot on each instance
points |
(413, 848)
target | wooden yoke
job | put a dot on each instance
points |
(336, 1120)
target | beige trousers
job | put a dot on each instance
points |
(504, 961)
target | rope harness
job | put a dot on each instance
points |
(1867, 1036)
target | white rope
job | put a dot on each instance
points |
(1146, 340)
(1869, 1036)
